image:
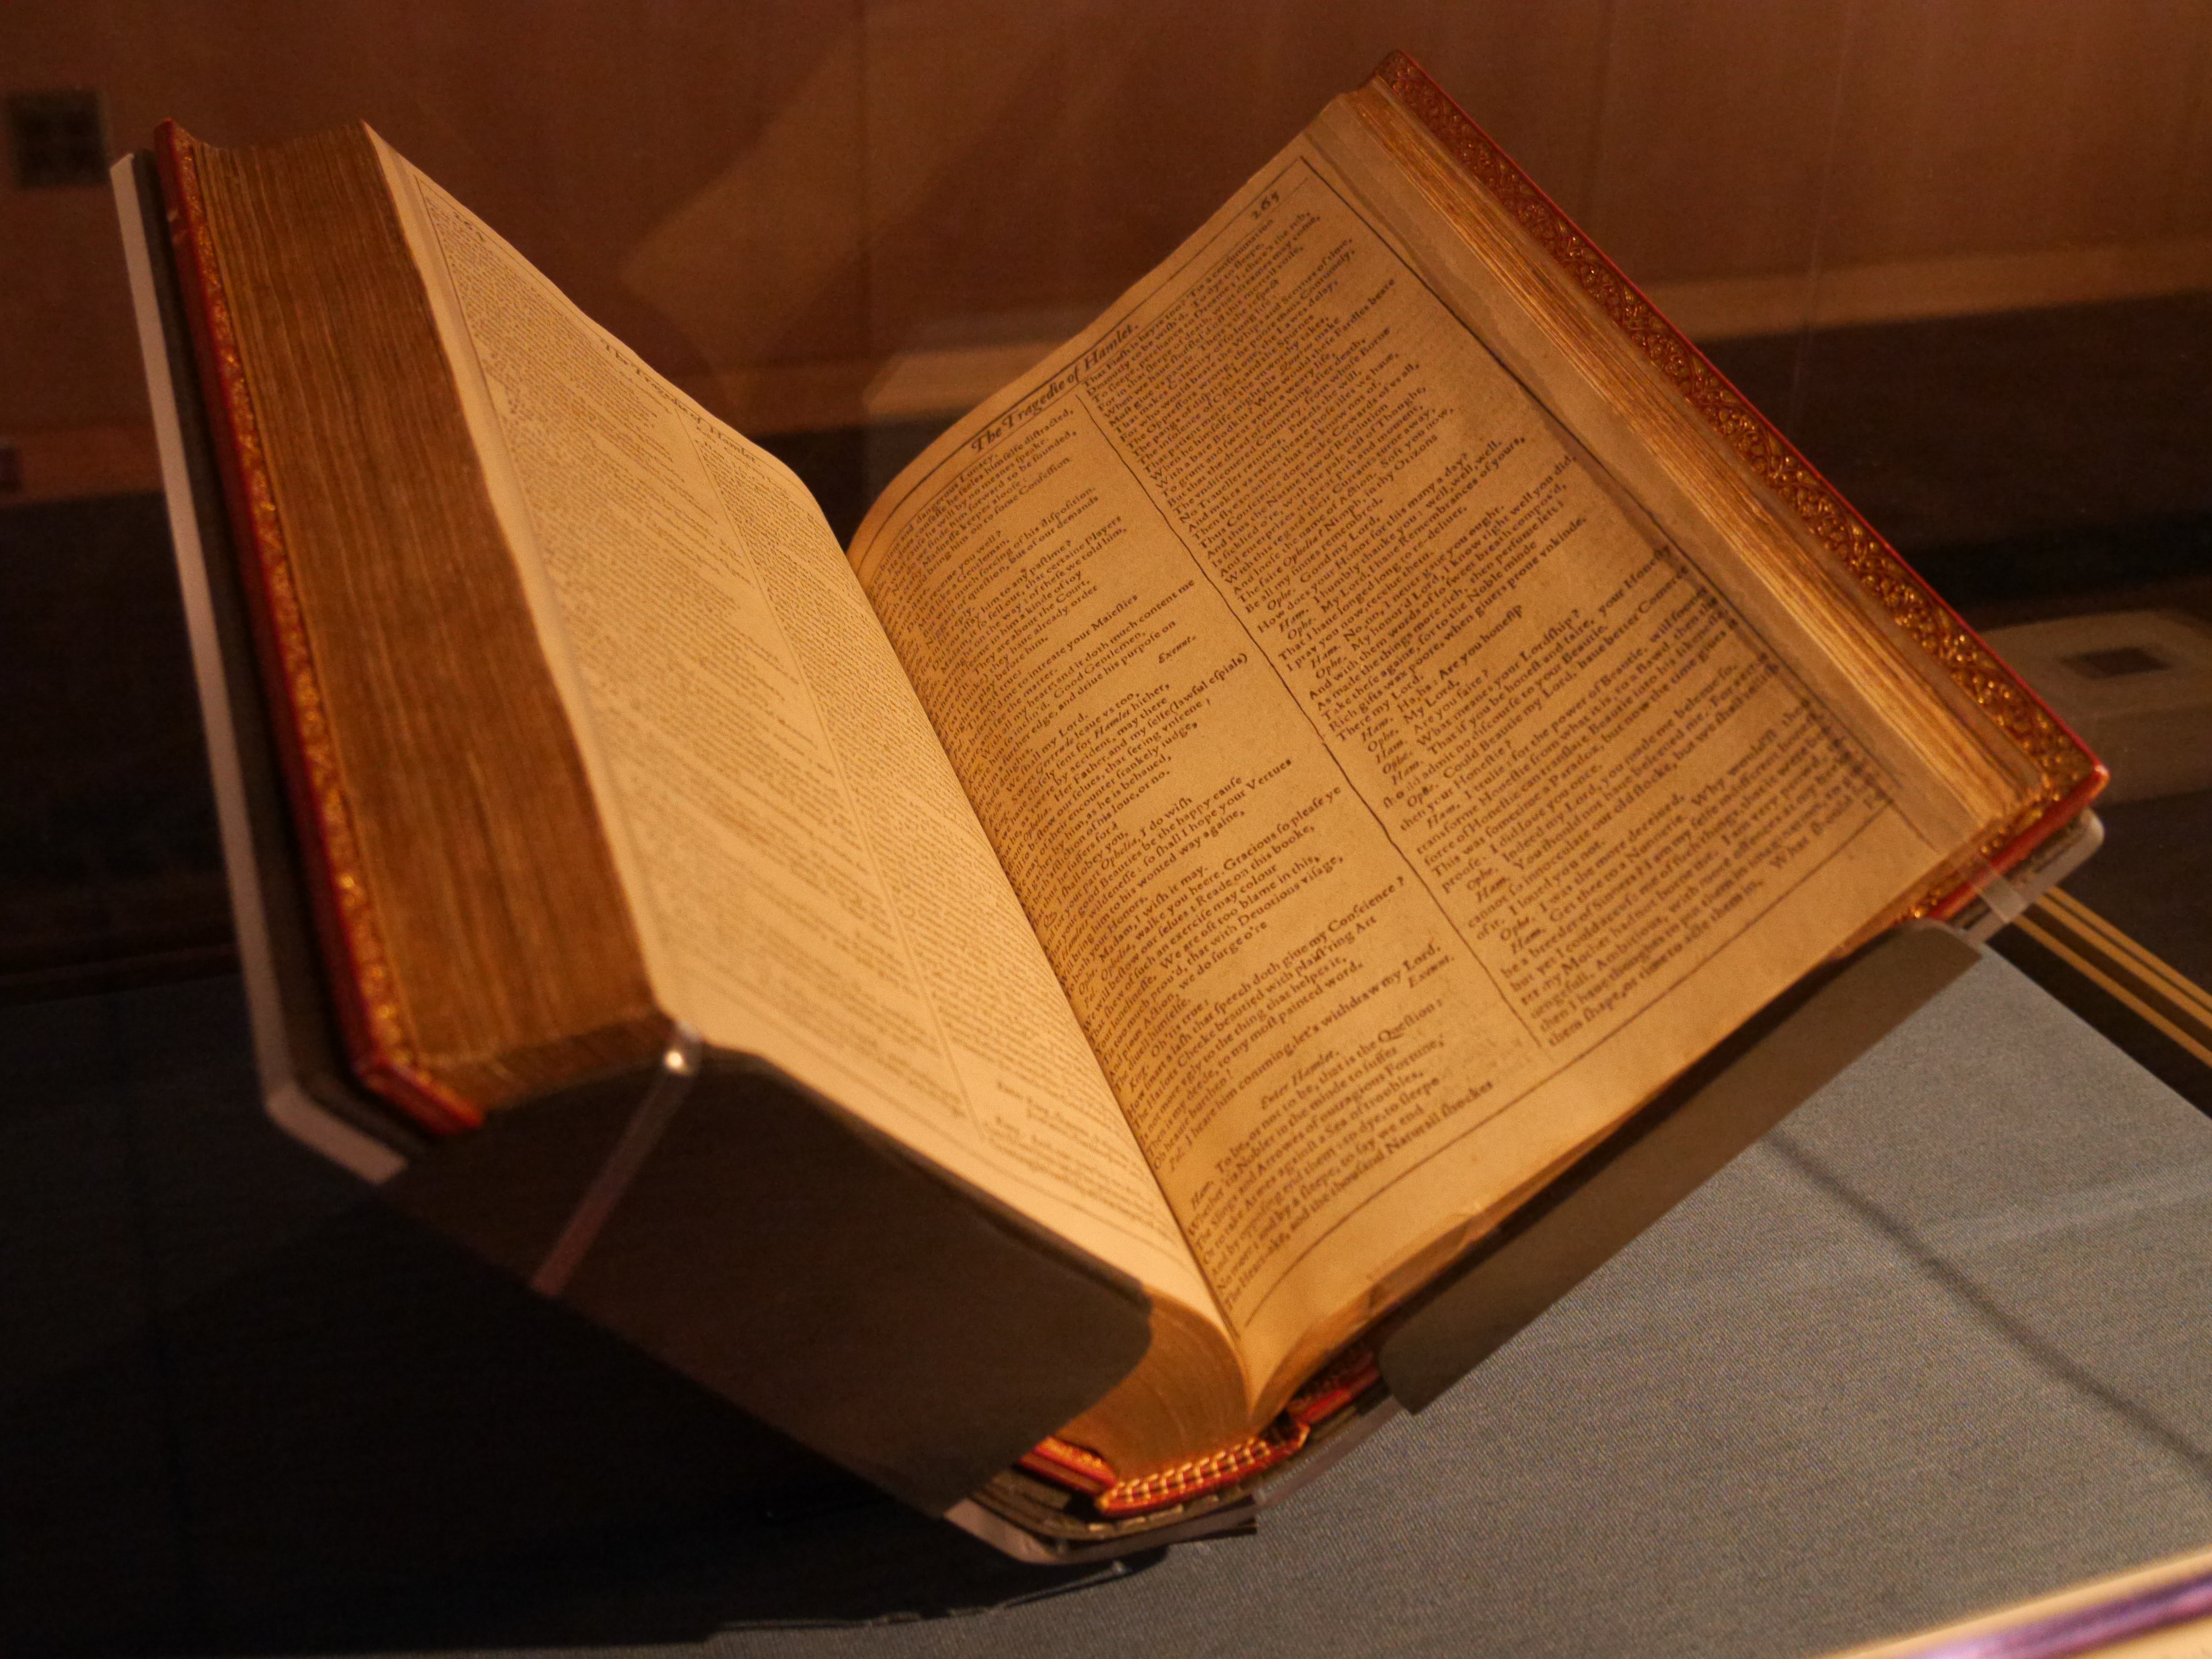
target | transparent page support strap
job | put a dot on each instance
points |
(2000, 901)
(672, 1082)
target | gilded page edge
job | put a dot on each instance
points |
(2071, 776)
(352, 937)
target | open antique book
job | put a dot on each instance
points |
(1258, 798)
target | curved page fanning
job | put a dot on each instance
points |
(1399, 803)
(809, 883)
(1967, 770)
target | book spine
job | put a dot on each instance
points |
(358, 971)
(2072, 776)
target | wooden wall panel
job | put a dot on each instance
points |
(592, 137)
(1701, 169)
(771, 199)
(1026, 162)
(968, 114)
(1977, 126)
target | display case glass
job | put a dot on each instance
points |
(1960, 251)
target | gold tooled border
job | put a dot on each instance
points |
(2071, 775)
(1255, 1455)
(1332, 1390)
(391, 1065)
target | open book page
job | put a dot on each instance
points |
(1551, 335)
(808, 881)
(1399, 799)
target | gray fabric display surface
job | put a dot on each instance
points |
(1938, 1343)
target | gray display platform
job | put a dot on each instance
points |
(1943, 1340)
(1938, 1343)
